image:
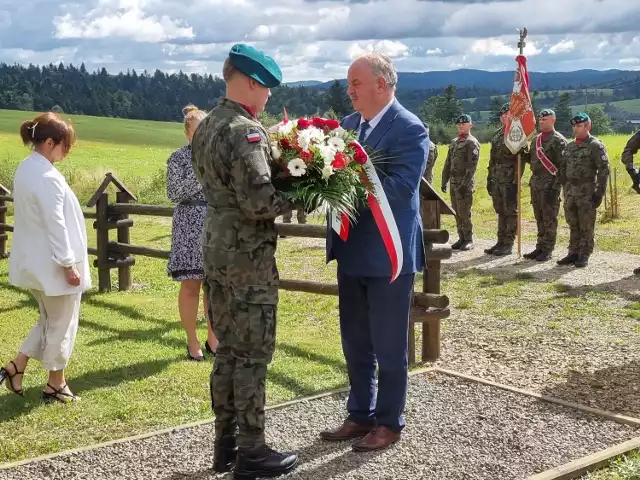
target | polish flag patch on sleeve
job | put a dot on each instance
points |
(253, 137)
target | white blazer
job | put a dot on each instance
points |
(49, 230)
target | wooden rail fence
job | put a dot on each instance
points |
(430, 306)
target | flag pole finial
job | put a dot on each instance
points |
(522, 43)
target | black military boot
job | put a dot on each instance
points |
(467, 244)
(263, 462)
(503, 250)
(532, 255)
(490, 250)
(224, 454)
(457, 244)
(636, 271)
(582, 261)
(543, 256)
(568, 260)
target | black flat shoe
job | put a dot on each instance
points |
(208, 348)
(198, 358)
(54, 396)
(4, 374)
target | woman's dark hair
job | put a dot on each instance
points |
(45, 126)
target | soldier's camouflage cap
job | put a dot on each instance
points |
(547, 112)
(580, 118)
(255, 64)
(505, 108)
(464, 118)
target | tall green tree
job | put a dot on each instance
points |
(563, 114)
(600, 121)
(338, 100)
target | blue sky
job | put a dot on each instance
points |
(317, 39)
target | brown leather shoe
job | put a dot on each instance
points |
(378, 439)
(346, 431)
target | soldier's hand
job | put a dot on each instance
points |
(490, 187)
(444, 188)
(597, 199)
(551, 195)
(635, 177)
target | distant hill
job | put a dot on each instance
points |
(503, 81)
(304, 83)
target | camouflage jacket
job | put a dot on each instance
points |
(462, 161)
(552, 145)
(632, 147)
(585, 167)
(502, 163)
(231, 159)
(433, 156)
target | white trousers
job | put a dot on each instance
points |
(51, 340)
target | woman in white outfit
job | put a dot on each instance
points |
(48, 254)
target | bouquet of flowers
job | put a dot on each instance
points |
(319, 164)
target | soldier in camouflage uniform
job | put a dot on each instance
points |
(460, 168)
(632, 147)
(584, 172)
(431, 161)
(546, 159)
(231, 159)
(502, 186)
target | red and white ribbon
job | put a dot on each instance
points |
(383, 216)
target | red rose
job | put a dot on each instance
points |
(285, 143)
(318, 122)
(331, 124)
(306, 156)
(340, 160)
(360, 156)
(303, 123)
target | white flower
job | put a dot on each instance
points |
(338, 132)
(285, 128)
(327, 152)
(297, 167)
(275, 151)
(327, 171)
(337, 143)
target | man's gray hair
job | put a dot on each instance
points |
(381, 66)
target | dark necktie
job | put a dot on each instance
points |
(363, 131)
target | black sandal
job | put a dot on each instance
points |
(4, 374)
(51, 396)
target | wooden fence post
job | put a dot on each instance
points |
(431, 284)
(124, 272)
(102, 240)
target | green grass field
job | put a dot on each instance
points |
(129, 362)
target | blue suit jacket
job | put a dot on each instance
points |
(404, 142)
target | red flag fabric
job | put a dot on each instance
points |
(521, 122)
(286, 117)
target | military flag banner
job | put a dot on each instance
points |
(521, 121)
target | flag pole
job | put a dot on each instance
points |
(521, 44)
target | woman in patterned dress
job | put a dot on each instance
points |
(186, 260)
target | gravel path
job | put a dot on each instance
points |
(455, 430)
(591, 358)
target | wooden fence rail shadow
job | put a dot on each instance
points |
(429, 306)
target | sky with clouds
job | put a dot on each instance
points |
(317, 39)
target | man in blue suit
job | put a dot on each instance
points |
(374, 313)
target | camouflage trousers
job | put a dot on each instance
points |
(428, 174)
(245, 326)
(581, 217)
(300, 215)
(505, 204)
(462, 203)
(546, 205)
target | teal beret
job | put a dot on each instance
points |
(464, 118)
(505, 108)
(255, 64)
(547, 112)
(580, 118)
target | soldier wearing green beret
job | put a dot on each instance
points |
(460, 168)
(545, 161)
(231, 159)
(584, 173)
(502, 186)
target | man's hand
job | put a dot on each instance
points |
(490, 187)
(72, 276)
(551, 195)
(444, 188)
(597, 199)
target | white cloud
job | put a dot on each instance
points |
(497, 47)
(392, 48)
(563, 47)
